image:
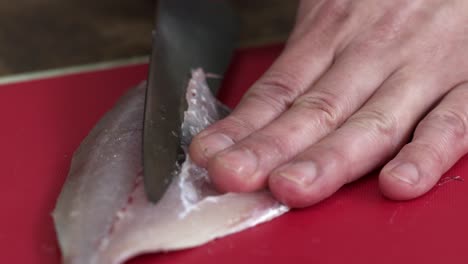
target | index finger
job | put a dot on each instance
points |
(306, 57)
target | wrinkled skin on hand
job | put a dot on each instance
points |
(359, 85)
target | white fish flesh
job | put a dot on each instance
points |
(103, 216)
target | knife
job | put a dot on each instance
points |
(188, 35)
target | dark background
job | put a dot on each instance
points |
(43, 34)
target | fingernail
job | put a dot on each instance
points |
(240, 161)
(406, 172)
(301, 173)
(214, 143)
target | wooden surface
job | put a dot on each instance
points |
(43, 34)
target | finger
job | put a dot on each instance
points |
(290, 75)
(439, 141)
(368, 138)
(245, 166)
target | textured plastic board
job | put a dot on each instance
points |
(44, 120)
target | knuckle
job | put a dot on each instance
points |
(323, 105)
(368, 46)
(382, 125)
(389, 27)
(361, 49)
(325, 27)
(329, 21)
(453, 124)
(386, 31)
(276, 89)
(336, 10)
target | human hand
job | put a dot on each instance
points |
(356, 80)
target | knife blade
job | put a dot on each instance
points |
(187, 35)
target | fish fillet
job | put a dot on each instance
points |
(102, 214)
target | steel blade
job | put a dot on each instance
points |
(188, 35)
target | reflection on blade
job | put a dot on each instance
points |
(103, 216)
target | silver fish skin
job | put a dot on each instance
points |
(102, 214)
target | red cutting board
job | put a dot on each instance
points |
(43, 122)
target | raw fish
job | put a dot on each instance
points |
(102, 215)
